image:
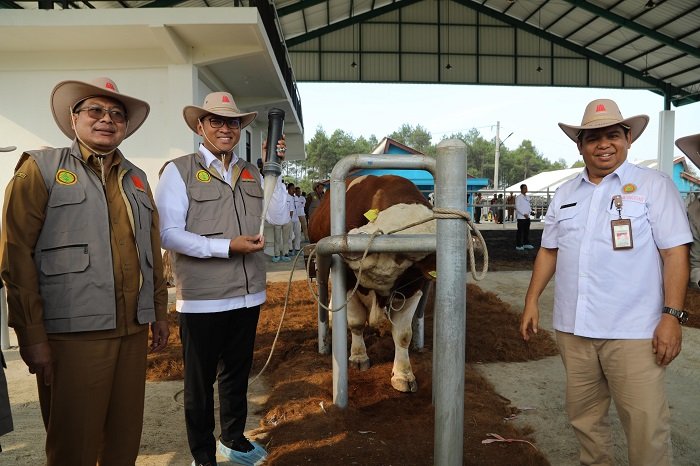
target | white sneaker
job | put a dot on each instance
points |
(520, 248)
(528, 246)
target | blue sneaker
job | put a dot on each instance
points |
(286, 259)
(255, 456)
(275, 258)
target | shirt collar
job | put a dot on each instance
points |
(620, 172)
(209, 158)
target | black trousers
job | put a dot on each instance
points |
(216, 346)
(523, 233)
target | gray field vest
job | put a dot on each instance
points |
(73, 254)
(218, 210)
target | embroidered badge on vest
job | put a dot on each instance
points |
(66, 177)
(629, 188)
(246, 175)
(203, 176)
(138, 183)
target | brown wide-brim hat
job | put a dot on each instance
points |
(220, 104)
(690, 145)
(67, 94)
(7, 149)
(601, 113)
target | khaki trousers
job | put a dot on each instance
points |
(625, 371)
(304, 227)
(93, 411)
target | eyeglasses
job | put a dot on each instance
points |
(232, 123)
(97, 112)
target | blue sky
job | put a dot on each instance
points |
(528, 112)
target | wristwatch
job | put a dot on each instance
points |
(682, 316)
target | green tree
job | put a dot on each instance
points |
(418, 138)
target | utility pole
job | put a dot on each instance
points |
(498, 154)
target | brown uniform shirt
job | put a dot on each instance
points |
(24, 221)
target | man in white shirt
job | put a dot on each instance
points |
(301, 212)
(210, 205)
(522, 215)
(295, 236)
(616, 236)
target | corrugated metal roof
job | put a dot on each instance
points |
(642, 44)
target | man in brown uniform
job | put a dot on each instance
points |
(81, 262)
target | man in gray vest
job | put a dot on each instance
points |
(82, 266)
(211, 204)
(690, 145)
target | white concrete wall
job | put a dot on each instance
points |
(26, 120)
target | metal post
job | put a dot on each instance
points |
(339, 293)
(450, 306)
(665, 155)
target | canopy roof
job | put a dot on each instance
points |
(637, 44)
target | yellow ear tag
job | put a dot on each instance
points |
(372, 214)
(433, 273)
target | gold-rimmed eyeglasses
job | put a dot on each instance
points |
(97, 112)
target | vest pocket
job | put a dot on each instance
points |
(203, 208)
(60, 260)
(67, 202)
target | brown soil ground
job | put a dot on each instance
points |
(300, 424)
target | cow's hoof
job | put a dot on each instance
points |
(404, 385)
(361, 364)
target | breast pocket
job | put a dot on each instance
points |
(204, 206)
(253, 198)
(567, 221)
(66, 205)
(636, 212)
(144, 210)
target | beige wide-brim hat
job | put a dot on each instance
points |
(690, 145)
(67, 94)
(601, 113)
(220, 104)
(7, 149)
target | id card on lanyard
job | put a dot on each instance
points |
(621, 228)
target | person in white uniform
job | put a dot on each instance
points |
(616, 240)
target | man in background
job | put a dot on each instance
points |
(522, 215)
(690, 145)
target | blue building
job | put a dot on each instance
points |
(421, 178)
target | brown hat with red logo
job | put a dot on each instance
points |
(67, 94)
(690, 145)
(220, 104)
(601, 113)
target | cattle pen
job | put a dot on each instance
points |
(448, 169)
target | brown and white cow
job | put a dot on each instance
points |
(390, 281)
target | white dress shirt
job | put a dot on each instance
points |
(606, 293)
(171, 199)
(522, 206)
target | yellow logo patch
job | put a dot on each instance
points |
(629, 188)
(203, 176)
(20, 175)
(66, 177)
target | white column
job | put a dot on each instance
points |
(667, 120)
(182, 91)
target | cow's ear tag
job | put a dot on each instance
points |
(433, 273)
(372, 214)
